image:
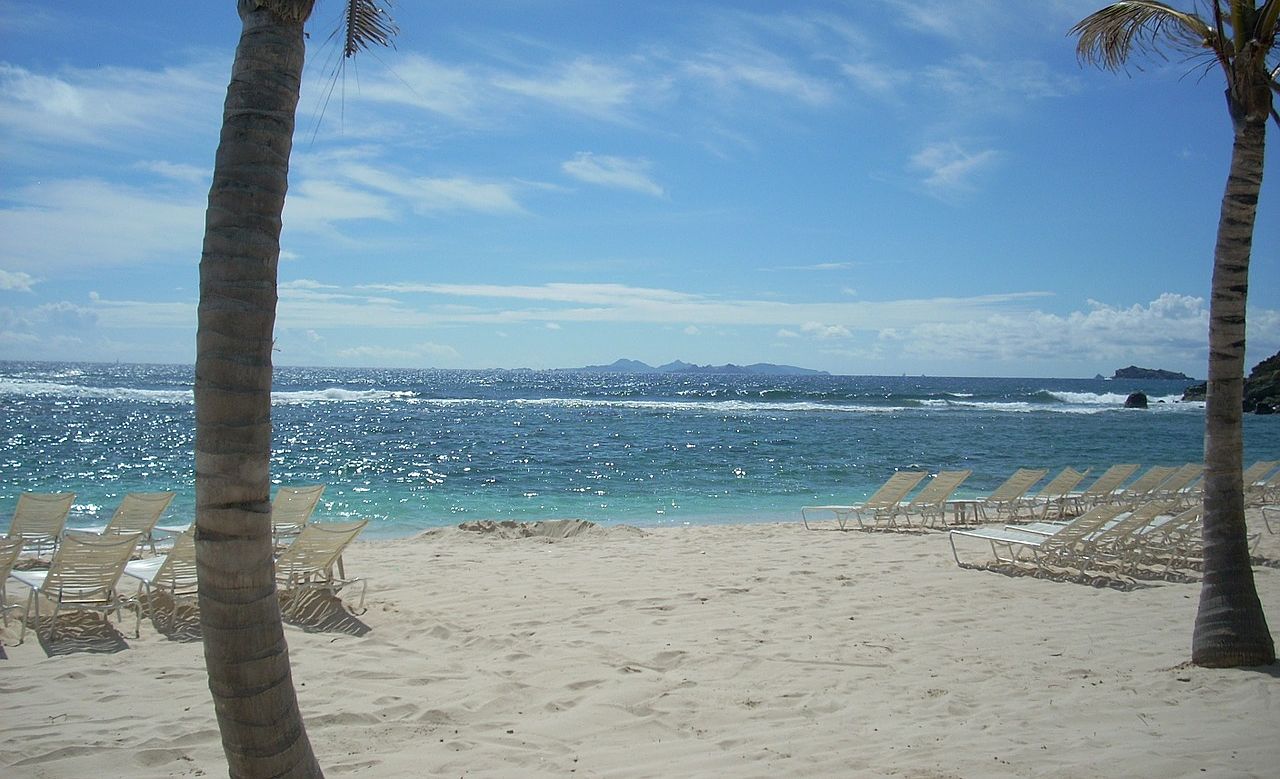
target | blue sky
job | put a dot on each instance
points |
(869, 187)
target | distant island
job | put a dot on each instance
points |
(1134, 372)
(679, 366)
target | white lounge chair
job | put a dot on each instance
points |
(931, 502)
(10, 548)
(172, 575)
(291, 509)
(1105, 488)
(138, 512)
(885, 502)
(1052, 497)
(84, 575)
(314, 562)
(39, 519)
(1004, 499)
(1063, 547)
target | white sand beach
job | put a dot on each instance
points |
(756, 650)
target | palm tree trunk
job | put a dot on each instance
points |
(245, 651)
(1231, 628)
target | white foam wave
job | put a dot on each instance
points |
(337, 395)
(44, 388)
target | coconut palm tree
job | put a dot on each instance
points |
(245, 651)
(1239, 37)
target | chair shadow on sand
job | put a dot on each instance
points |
(315, 612)
(320, 611)
(79, 631)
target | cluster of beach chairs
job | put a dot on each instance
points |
(134, 562)
(1143, 526)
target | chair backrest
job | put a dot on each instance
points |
(1083, 526)
(1258, 471)
(177, 574)
(1148, 482)
(293, 505)
(939, 488)
(1174, 530)
(139, 512)
(1110, 480)
(1062, 484)
(1181, 480)
(316, 549)
(895, 489)
(10, 548)
(1017, 485)
(1136, 521)
(41, 514)
(85, 569)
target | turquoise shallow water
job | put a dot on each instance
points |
(416, 449)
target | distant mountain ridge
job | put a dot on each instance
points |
(679, 366)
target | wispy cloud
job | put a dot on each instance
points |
(91, 223)
(948, 169)
(108, 106)
(582, 86)
(614, 172)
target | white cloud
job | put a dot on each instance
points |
(761, 71)
(109, 106)
(949, 169)
(1171, 327)
(16, 281)
(423, 83)
(583, 86)
(390, 355)
(819, 330)
(615, 172)
(92, 223)
(179, 172)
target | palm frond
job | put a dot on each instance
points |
(1268, 18)
(367, 23)
(1109, 36)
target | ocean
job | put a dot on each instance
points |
(414, 449)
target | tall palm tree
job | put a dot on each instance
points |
(1238, 36)
(245, 651)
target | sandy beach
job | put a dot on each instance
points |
(756, 650)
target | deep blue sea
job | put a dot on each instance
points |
(411, 449)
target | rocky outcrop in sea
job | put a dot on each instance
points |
(1261, 388)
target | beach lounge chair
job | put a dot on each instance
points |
(884, 502)
(1105, 488)
(10, 548)
(1052, 497)
(172, 574)
(1146, 485)
(1269, 513)
(1168, 541)
(1065, 546)
(138, 512)
(1183, 484)
(39, 519)
(1263, 491)
(84, 575)
(1005, 499)
(291, 509)
(1255, 474)
(931, 502)
(314, 562)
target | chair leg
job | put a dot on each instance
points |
(26, 617)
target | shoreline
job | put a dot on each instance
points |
(706, 650)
